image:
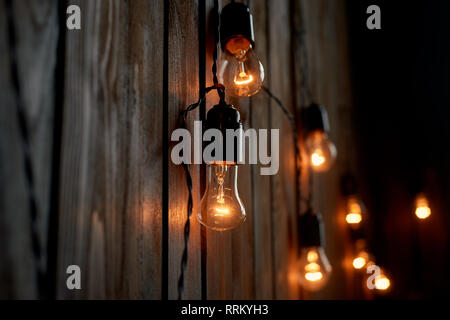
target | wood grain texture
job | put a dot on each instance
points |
(284, 214)
(262, 187)
(35, 26)
(183, 91)
(218, 244)
(111, 171)
(326, 39)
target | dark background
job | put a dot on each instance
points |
(400, 76)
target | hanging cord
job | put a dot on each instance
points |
(26, 147)
(183, 117)
(294, 130)
(306, 96)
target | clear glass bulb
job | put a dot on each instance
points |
(321, 151)
(355, 211)
(221, 207)
(241, 72)
(422, 210)
(314, 268)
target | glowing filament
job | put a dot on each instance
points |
(312, 256)
(313, 276)
(317, 158)
(222, 211)
(243, 79)
(353, 218)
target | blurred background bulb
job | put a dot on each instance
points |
(240, 71)
(361, 260)
(314, 268)
(221, 207)
(355, 211)
(422, 209)
(321, 151)
(382, 282)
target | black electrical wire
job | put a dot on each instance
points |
(26, 146)
(183, 117)
(306, 98)
(295, 133)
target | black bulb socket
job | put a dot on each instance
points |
(310, 229)
(236, 21)
(223, 117)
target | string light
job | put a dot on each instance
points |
(382, 282)
(221, 206)
(320, 149)
(240, 70)
(422, 207)
(355, 211)
(313, 265)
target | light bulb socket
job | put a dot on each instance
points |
(223, 117)
(310, 230)
(315, 118)
(236, 21)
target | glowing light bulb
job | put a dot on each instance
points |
(314, 268)
(423, 210)
(382, 282)
(355, 211)
(361, 260)
(221, 207)
(241, 71)
(322, 152)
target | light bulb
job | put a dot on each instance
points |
(361, 260)
(314, 268)
(321, 151)
(422, 210)
(355, 211)
(382, 282)
(241, 71)
(221, 207)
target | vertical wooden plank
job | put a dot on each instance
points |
(145, 53)
(218, 244)
(111, 170)
(283, 214)
(261, 198)
(243, 236)
(326, 38)
(35, 29)
(183, 91)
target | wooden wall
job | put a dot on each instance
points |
(121, 203)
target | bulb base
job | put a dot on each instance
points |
(315, 118)
(310, 229)
(236, 21)
(223, 117)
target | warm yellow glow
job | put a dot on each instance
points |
(382, 283)
(312, 256)
(317, 158)
(222, 211)
(243, 79)
(423, 210)
(359, 262)
(313, 276)
(353, 218)
(354, 215)
(312, 267)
